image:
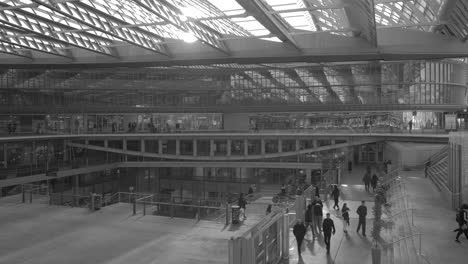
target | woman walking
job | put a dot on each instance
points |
(345, 214)
(336, 194)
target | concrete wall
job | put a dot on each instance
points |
(238, 121)
(410, 155)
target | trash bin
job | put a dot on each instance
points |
(95, 202)
(235, 209)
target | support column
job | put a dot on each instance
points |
(34, 154)
(124, 147)
(308, 173)
(297, 145)
(5, 164)
(228, 148)
(333, 142)
(87, 147)
(143, 146)
(106, 145)
(314, 143)
(160, 147)
(177, 146)
(280, 145)
(246, 147)
(262, 146)
(212, 147)
(194, 147)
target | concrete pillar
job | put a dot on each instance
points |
(87, 160)
(280, 145)
(333, 142)
(212, 147)
(262, 146)
(5, 152)
(228, 148)
(106, 145)
(194, 147)
(124, 147)
(34, 154)
(314, 143)
(142, 149)
(246, 147)
(297, 145)
(160, 146)
(177, 146)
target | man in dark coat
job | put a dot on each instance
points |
(309, 218)
(317, 206)
(362, 212)
(336, 195)
(299, 231)
(367, 179)
(374, 181)
(462, 223)
(328, 229)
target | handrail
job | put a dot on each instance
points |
(406, 237)
(404, 211)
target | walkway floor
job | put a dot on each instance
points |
(433, 218)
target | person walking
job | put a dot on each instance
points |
(374, 181)
(345, 214)
(317, 191)
(318, 215)
(328, 230)
(462, 223)
(299, 231)
(283, 189)
(410, 124)
(336, 194)
(242, 204)
(362, 212)
(309, 216)
(268, 210)
(367, 179)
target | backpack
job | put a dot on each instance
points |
(459, 216)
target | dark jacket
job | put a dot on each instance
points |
(242, 203)
(308, 213)
(299, 230)
(317, 191)
(328, 226)
(367, 178)
(318, 206)
(335, 193)
(362, 211)
(345, 213)
(374, 180)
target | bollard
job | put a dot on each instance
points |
(172, 208)
(134, 207)
(23, 199)
(144, 207)
(30, 196)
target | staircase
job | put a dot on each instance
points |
(438, 168)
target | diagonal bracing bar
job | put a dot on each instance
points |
(45, 28)
(361, 16)
(22, 39)
(172, 15)
(86, 13)
(295, 77)
(7, 48)
(322, 78)
(273, 22)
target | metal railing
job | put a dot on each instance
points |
(31, 190)
(410, 236)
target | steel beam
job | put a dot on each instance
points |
(361, 15)
(295, 77)
(320, 76)
(14, 37)
(87, 13)
(172, 15)
(45, 28)
(271, 21)
(7, 48)
(275, 82)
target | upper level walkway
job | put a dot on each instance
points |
(396, 135)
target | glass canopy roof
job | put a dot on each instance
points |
(56, 27)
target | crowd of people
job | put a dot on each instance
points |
(318, 226)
